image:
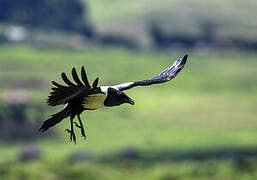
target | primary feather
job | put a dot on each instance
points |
(61, 94)
(166, 75)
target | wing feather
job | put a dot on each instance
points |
(57, 85)
(84, 76)
(76, 78)
(66, 80)
(61, 94)
(165, 76)
(95, 83)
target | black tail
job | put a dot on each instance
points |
(55, 119)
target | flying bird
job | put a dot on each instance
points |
(79, 96)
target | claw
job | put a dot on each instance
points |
(83, 134)
(72, 135)
(67, 130)
(82, 131)
(77, 125)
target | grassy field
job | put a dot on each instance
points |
(195, 127)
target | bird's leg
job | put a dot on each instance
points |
(81, 127)
(71, 131)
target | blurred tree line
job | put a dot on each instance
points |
(60, 14)
(20, 117)
(72, 15)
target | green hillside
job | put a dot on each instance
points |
(210, 107)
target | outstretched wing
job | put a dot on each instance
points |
(61, 94)
(166, 75)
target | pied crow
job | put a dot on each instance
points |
(79, 95)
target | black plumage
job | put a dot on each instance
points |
(79, 95)
(165, 76)
(74, 96)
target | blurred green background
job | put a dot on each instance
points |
(201, 125)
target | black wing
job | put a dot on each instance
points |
(61, 94)
(166, 75)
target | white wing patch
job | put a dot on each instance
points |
(65, 106)
(104, 89)
(123, 85)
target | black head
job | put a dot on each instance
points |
(116, 97)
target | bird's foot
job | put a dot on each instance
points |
(82, 131)
(72, 135)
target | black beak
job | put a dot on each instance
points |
(130, 101)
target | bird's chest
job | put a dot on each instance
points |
(94, 101)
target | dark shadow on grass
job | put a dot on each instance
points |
(151, 157)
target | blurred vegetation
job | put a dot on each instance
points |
(231, 23)
(137, 25)
(19, 117)
(58, 14)
(201, 125)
